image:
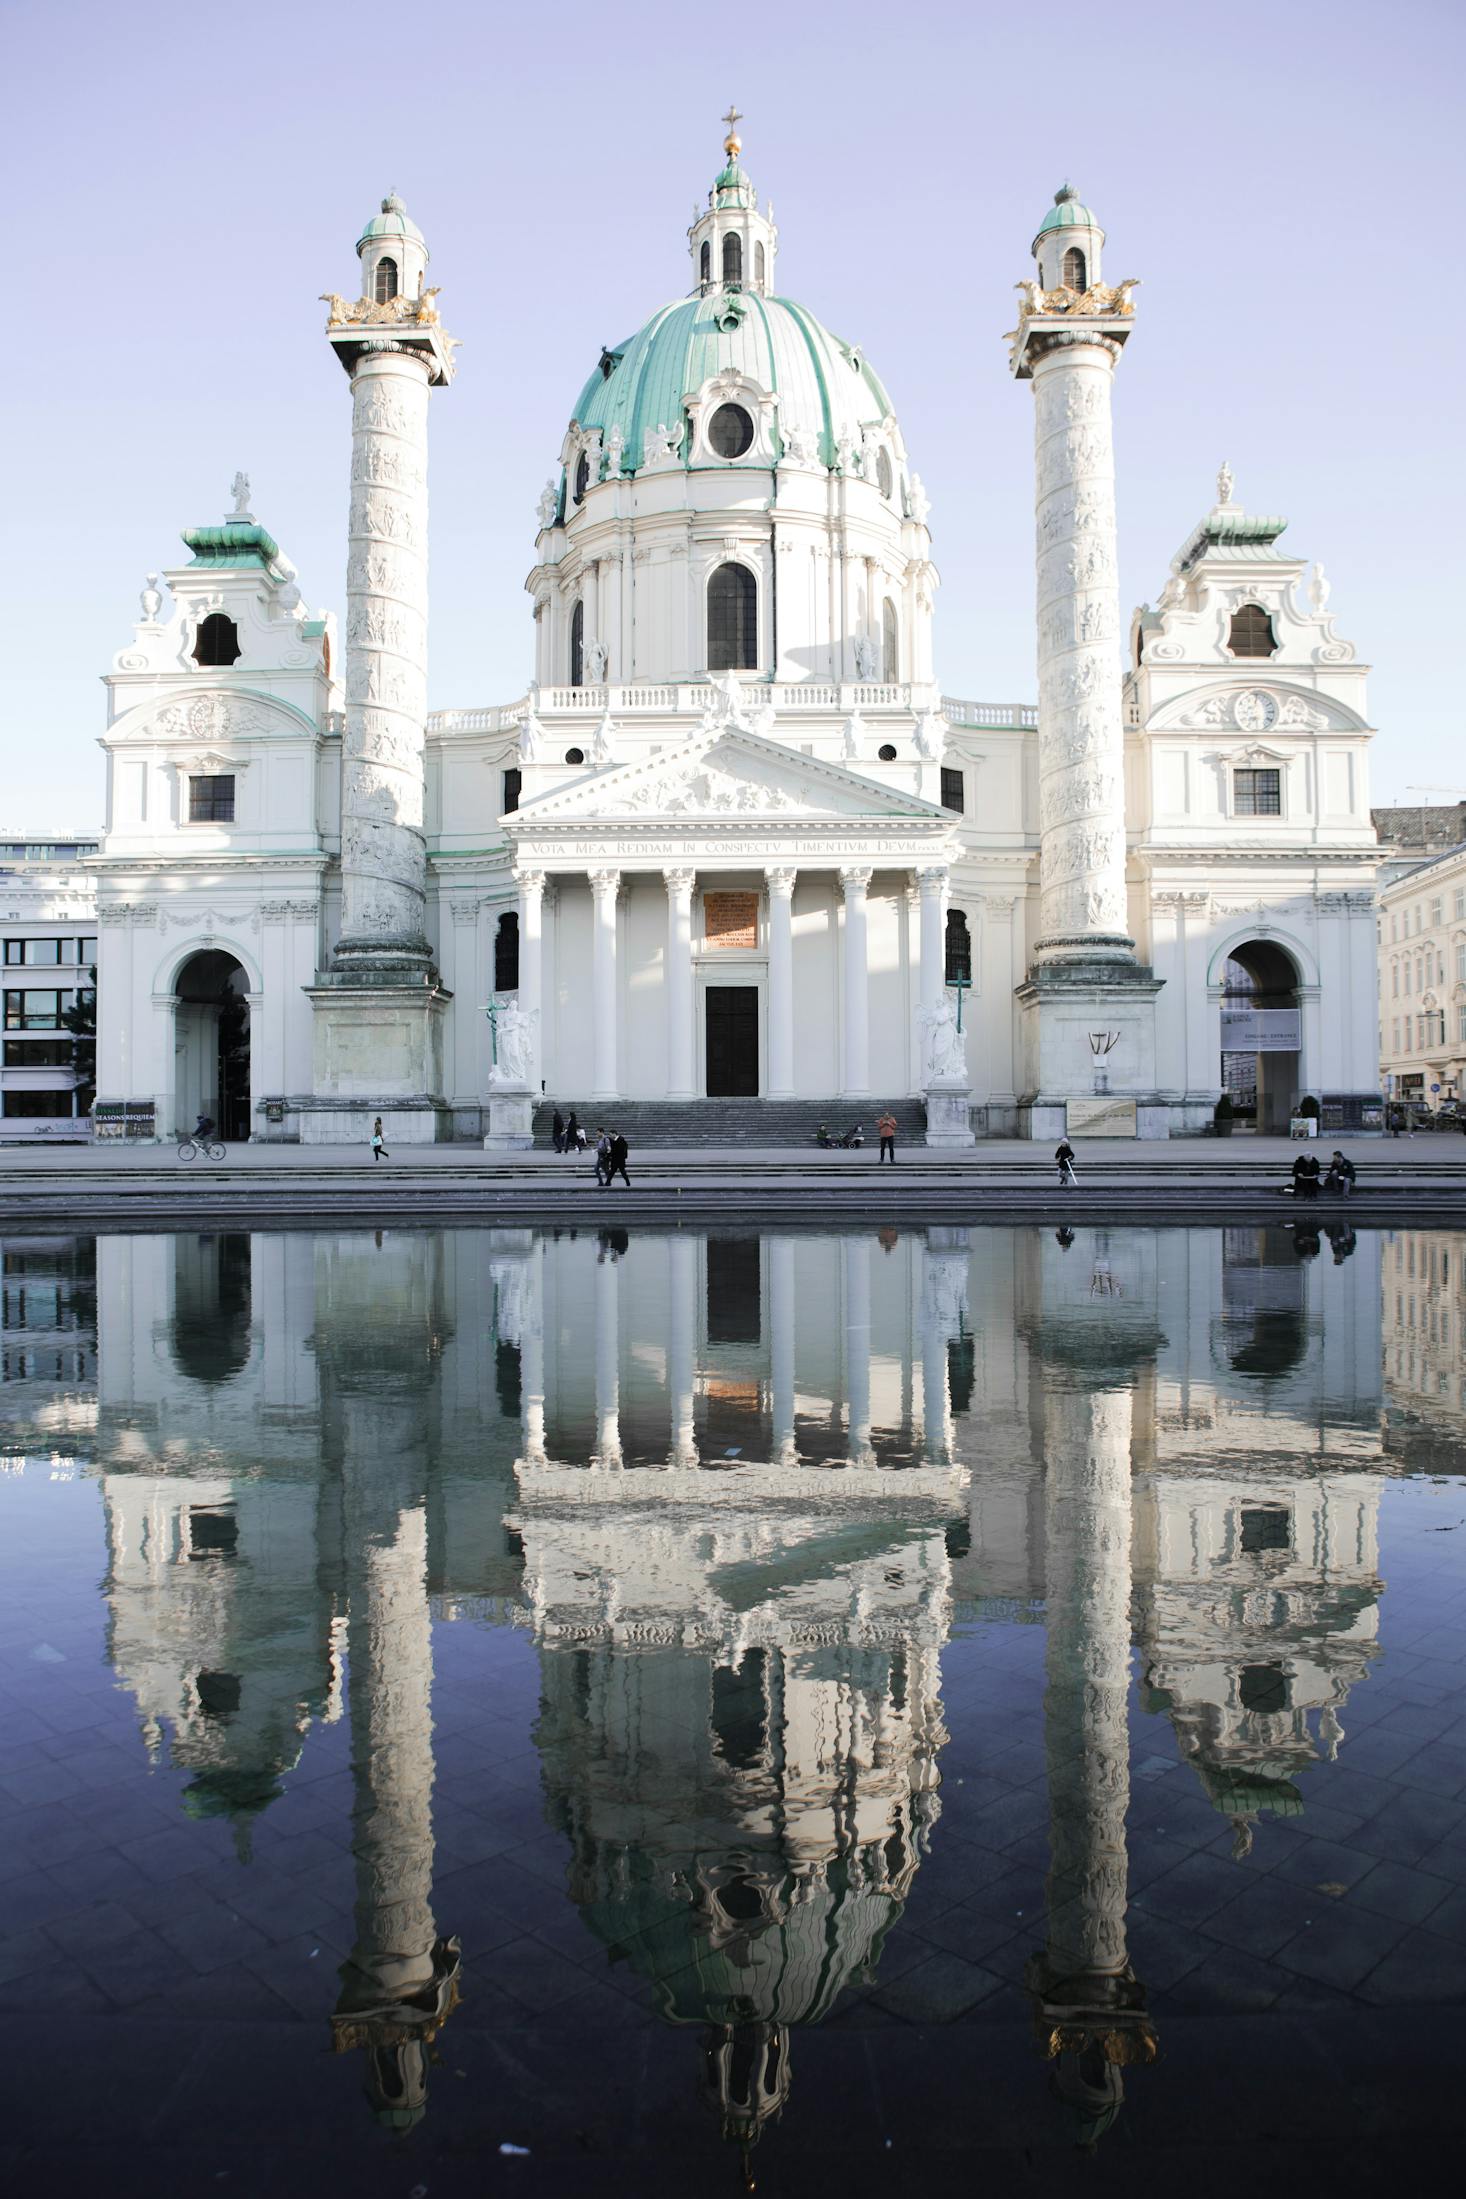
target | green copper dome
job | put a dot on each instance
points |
(393, 221)
(1067, 212)
(822, 384)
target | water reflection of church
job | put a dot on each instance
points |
(740, 1490)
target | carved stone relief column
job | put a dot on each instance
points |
(608, 1361)
(681, 1354)
(781, 1349)
(855, 1259)
(531, 884)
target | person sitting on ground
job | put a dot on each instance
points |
(1305, 1176)
(822, 1135)
(1341, 1175)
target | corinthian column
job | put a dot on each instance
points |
(781, 983)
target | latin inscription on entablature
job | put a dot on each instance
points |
(607, 849)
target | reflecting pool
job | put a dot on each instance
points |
(634, 1710)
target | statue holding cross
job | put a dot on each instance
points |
(511, 1037)
(946, 1054)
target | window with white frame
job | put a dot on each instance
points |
(1394, 980)
(1461, 965)
(1459, 904)
(1436, 909)
(1395, 1035)
(1461, 1026)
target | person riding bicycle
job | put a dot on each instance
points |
(203, 1129)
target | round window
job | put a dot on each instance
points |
(730, 431)
(886, 753)
(575, 755)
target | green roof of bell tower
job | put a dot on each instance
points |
(1067, 212)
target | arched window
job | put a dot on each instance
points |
(885, 479)
(582, 476)
(732, 261)
(890, 643)
(577, 646)
(1251, 632)
(217, 640)
(705, 262)
(506, 954)
(386, 280)
(1074, 269)
(759, 265)
(959, 948)
(732, 620)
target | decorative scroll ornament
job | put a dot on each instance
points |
(1099, 298)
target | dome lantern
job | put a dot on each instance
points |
(733, 244)
(1069, 243)
(393, 254)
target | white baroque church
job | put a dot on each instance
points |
(733, 842)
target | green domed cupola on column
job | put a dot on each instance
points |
(733, 244)
(1069, 243)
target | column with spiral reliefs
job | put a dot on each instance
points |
(1089, 1004)
(379, 1005)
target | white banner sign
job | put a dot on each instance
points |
(1260, 1031)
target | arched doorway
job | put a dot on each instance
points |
(211, 1043)
(1261, 1035)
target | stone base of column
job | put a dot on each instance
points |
(949, 1115)
(511, 1118)
(1087, 1037)
(377, 1049)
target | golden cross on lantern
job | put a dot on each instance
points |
(732, 141)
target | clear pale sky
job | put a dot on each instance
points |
(1286, 184)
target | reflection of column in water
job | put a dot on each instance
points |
(608, 1361)
(784, 1450)
(401, 1981)
(943, 1298)
(682, 1291)
(855, 1258)
(1090, 2009)
(532, 1354)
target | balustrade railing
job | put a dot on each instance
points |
(684, 699)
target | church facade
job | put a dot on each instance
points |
(733, 841)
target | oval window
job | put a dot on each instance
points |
(575, 755)
(730, 431)
(886, 753)
(885, 480)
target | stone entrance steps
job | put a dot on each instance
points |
(783, 1125)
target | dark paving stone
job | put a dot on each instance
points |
(1264, 1917)
(937, 1990)
(1393, 1889)
(1422, 1967)
(1339, 1944)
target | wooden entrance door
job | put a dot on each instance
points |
(732, 1041)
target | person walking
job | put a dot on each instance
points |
(616, 1160)
(557, 1131)
(574, 1135)
(1064, 1155)
(886, 1126)
(603, 1158)
(379, 1143)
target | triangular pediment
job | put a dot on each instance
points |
(731, 773)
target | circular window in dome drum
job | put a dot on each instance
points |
(886, 752)
(575, 755)
(730, 431)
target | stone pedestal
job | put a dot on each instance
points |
(1064, 1007)
(949, 1114)
(377, 1050)
(511, 1118)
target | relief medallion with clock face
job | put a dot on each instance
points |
(1255, 710)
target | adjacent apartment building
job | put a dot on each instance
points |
(1422, 982)
(48, 942)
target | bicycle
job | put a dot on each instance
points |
(193, 1149)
